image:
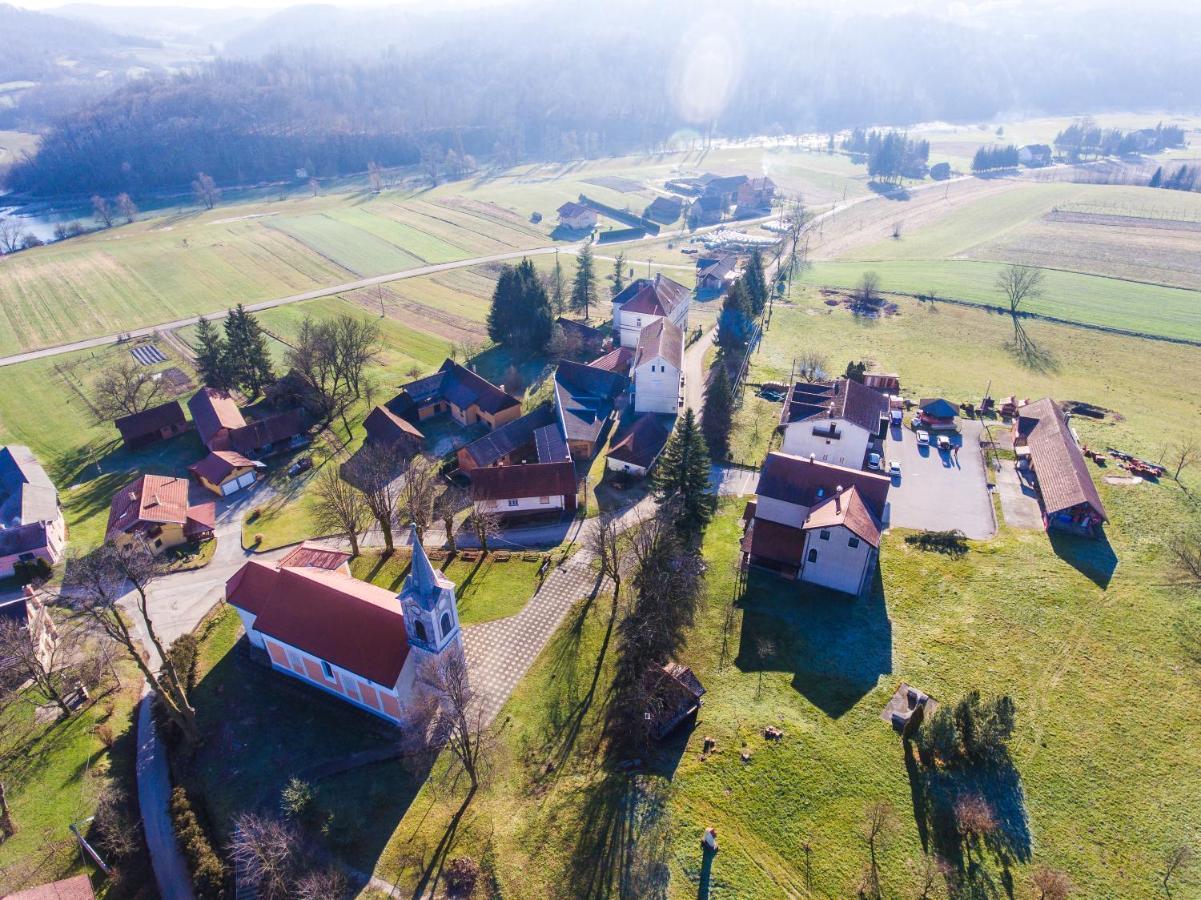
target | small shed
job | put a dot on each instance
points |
(673, 694)
(907, 709)
(150, 425)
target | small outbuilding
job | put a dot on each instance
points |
(577, 216)
(636, 450)
(226, 472)
(937, 414)
(672, 695)
(151, 425)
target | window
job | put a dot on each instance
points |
(514, 502)
(813, 555)
(158, 543)
(419, 630)
(824, 535)
(853, 543)
(327, 671)
(445, 624)
(26, 557)
(544, 500)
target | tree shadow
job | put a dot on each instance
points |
(1027, 352)
(433, 869)
(837, 646)
(888, 190)
(1093, 558)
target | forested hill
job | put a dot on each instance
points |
(561, 81)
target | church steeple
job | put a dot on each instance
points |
(428, 601)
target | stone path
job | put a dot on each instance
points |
(154, 793)
(499, 653)
(1019, 500)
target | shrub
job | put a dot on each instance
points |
(461, 876)
(296, 799)
(258, 538)
(105, 733)
(183, 654)
(208, 872)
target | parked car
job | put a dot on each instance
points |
(923, 437)
(896, 417)
(301, 465)
(916, 422)
(874, 460)
(944, 443)
(894, 468)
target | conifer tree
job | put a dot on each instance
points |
(210, 356)
(734, 321)
(247, 362)
(583, 289)
(521, 316)
(756, 284)
(718, 413)
(558, 287)
(682, 477)
(619, 265)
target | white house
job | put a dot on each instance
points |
(816, 522)
(577, 216)
(643, 302)
(658, 368)
(351, 639)
(834, 421)
(527, 489)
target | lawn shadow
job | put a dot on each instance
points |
(1027, 351)
(837, 646)
(1091, 557)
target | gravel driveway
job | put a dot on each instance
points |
(940, 491)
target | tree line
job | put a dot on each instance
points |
(1085, 138)
(995, 156)
(891, 155)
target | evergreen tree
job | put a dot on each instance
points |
(619, 265)
(717, 417)
(558, 287)
(734, 321)
(856, 370)
(756, 283)
(682, 477)
(246, 360)
(520, 316)
(1157, 178)
(210, 356)
(583, 289)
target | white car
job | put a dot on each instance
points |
(874, 461)
(894, 468)
(923, 437)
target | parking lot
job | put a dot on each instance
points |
(940, 490)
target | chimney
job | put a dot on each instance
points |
(812, 457)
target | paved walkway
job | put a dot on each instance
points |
(154, 793)
(1019, 500)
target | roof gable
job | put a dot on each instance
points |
(841, 398)
(532, 480)
(660, 340)
(214, 411)
(849, 511)
(149, 421)
(805, 481)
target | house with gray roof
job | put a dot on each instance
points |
(31, 520)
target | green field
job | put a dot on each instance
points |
(1102, 797)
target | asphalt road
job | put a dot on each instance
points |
(937, 490)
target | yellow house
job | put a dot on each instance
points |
(225, 472)
(154, 509)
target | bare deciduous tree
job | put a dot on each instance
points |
(456, 714)
(356, 344)
(94, 583)
(811, 366)
(867, 291)
(610, 543)
(375, 175)
(39, 658)
(118, 828)
(974, 818)
(126, 207)
(123, 390)
(1051, 884)
(1177, 860)
(374, 471)
(418, 489)
(929, 876)
(485, 524)
(1186, 550)
(102, 211)
(1184, 455)
(879, 821)
(329, 883)
(563, 344)
(314, 186)
(447, 505)
(12, 235)
(265, 850)
(205, 190)
(339, 508)
(1018, 284)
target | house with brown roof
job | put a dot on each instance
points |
(616, 360)
(1045, 444)
(664, 210)
(576, 216)
(226, 472)
(386, 428)
(151, 425)
(216, 415)
(535, 437)
(154, 509)
(672, 695)
(585, 401)
(716, 271)
(351, 639)
(834, 421)
(32, 526)
(634, 450)
(526, 490)
(754, 197)
(658, 369)
(221, 426)
(816, 522)
(589, 340)
(455, 390)
(645, 300)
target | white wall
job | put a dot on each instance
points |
(630, 326)
(848, 449)
(248, 620)
(781, 511)
(523, 504)
(839, 566)
(658, 390)
(617, 465)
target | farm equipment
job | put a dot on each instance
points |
(1136, 466)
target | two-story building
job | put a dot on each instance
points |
(154, 510)
(816, 522)
(32, 526)
(834, 421)
(658, 368)
(645, 300)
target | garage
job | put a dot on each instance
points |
(232, 487)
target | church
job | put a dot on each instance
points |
(359, 642)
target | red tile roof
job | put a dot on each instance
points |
(617, 360)
(151, 421)
(660, 339)
(220, 464)
(214, 411)
(804, 481)
(158, 500)
(848, 510)
(643, 441)
(532, 480)
(770, 540)
(315, 555)
(1064, 480)
(349, 623)
(656, 296)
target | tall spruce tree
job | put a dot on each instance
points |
(682, 477)
(734, 321)
(558, 287)
(717, 416)
(583, 288)
(210, 356)
(619, 276)
(521, 317)
(756, 284)
(247, 361)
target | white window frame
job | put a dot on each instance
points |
(327, 671)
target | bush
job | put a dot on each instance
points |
(183, 655)
(35, 571)
(208, 872)
(258, 539)
(461, 877)
(973, 731)
(296, 800)
(105, 733)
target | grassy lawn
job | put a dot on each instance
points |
(488, 588)
(54, 773)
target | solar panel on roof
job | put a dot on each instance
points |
(550, 444)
